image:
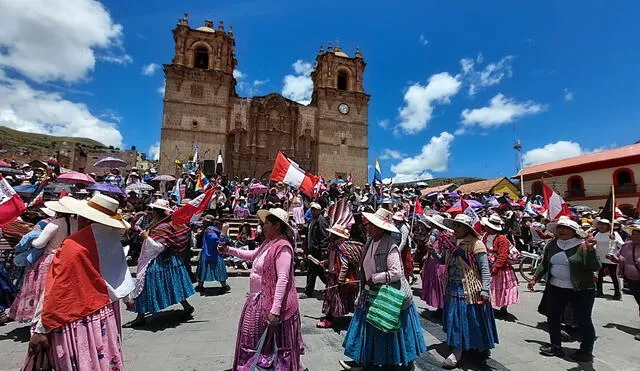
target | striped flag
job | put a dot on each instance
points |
(340, 212)
(468, 210)
(38, 194)
(11, 205)
(554, 205)
(349, 178)
(377, 174)
(201, 182)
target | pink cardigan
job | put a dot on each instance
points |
(627, 267)
(279, 288)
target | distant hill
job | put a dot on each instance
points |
(14, 139)
(436, 182)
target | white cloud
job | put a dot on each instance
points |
(423, 40)
(384, 124)
(150, 69)
(460, 131)
(434, 157)
(420, 101)
(237, 74)
(161, 88)
(553, 152)
(57, 40)
(391, 154)
(299, 87)
(36, 111)
(111, 115)
(568, 95)
(257, 83)
(154, 151)
(491, 74)
(501, 110)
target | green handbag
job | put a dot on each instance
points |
(385, 307)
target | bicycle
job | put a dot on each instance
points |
(530, 261)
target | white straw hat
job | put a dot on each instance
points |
(382, 219)
(57, 206)
(399, 216)
(462, 219)
(339, 230)
(493, 221)
(160, 204)
(48, 212)
(566, 222)
(438, 221)
(100, 209)
(278, 213)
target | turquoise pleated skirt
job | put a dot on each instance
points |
(166, 283)
(367, 345)
(468, 326)
(211, 271)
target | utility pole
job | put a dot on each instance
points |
(518, 147)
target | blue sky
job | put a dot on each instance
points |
(453, 84)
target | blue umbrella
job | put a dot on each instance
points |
(29, 188)
(107, 188)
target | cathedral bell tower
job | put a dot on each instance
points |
(198, 92)
(342, 118)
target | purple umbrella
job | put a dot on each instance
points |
(106, 188)
(111, 162)
(258, 188)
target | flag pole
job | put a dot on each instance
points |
(613, 207)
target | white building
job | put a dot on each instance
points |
(587, 179)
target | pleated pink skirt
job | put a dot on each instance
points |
(504, 288)
(433, 283)
(24, 306)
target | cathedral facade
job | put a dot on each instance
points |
(328, 137)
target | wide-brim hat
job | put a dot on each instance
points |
(494, 222)
(566, 222)
(604, 221)
(462, 219)
(339, 230)
(100, 209)
(399, 216)
(382, 219)
(279, 213)
(631, 227)
(48, 212)
(82, 192)
(57, 206)
(438, 221)
(160, 204)
(315, 205)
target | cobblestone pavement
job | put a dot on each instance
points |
(207, 341)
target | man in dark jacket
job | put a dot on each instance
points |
(317, 240)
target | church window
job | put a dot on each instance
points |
(194, 124)
(536, 189)
(201, 59)
(343, 141)
(343, 80)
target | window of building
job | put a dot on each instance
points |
(624, 181)
(343, 141)
(343, 81)
(536, 189)
(201, 59)
(575, 186)
(194, 124)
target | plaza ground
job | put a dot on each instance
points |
(207, 341)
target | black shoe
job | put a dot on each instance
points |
(226, 288)
(304, 295)
(135, 323)
(599, 294)
(617, 296)
(637, 337)
(582, 356)
(551, 351)
(189, 311)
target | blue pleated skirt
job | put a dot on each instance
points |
(468, 326)
(367, 345)
(166, 283)
(210, 271)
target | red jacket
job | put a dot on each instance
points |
(500, 249)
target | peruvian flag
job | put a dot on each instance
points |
(287, 171)
(418, 210)
(192, 211)
(63, 193)
(11, 205)
(468, 211)
(88, 273)
(554, 205)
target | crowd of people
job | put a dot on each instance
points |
(365, 245)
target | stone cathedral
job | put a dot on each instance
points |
(201, 106)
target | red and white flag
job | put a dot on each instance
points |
(417, 209)
(554, 205)
(11, 205)
(192, 211)
(468, 211)
(288, 172)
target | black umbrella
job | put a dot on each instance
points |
(11, 171)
